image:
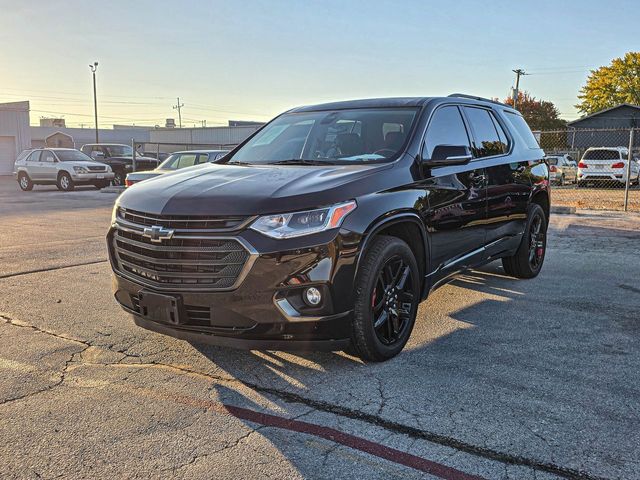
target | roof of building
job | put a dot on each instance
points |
(600, 112)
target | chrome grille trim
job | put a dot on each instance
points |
(185, 223)
(193, 263)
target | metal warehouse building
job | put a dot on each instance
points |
(606, 128)
(15, 134)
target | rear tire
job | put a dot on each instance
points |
(387, 296)
(118, 178)
(65, 183)
(25, 182)
(528, 259)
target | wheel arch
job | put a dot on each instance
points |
(407, 226)
(542, 198)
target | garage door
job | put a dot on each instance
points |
(7, 155)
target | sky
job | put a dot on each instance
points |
(252, 59)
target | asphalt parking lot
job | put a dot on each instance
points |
(501, 379)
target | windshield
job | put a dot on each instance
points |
(552, 160)
(602, 155)
(119, 150)
(72, 156)
(339, 136)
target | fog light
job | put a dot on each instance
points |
(312, 296)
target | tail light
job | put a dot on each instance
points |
(582, 165)
(553, 168)
(128, 182)
(618, 165)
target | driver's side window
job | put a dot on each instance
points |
(445, 128)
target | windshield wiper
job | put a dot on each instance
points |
(239, 163)
(300, 161)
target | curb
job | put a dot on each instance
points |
(563, 210)
(117, 190)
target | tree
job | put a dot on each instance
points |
(539, 114)
(612, 85)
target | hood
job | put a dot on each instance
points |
(138, 158)
(85, 163)
(212, 189)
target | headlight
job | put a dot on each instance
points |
(288, 225)
(114, 212)
(81, 170)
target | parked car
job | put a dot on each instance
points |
(328, 226)
(120, 158)
(562, 169)
(600, 165)
(176, 161)
(63, 167)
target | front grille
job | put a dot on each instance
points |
(96, 168)
(192, 259)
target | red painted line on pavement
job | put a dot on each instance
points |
(357, 443)
(393, 455)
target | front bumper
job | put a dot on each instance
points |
(266, 309)
(92, 177)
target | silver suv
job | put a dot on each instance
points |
(63, 167)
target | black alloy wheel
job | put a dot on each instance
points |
(386, 299)
(391, 300)
(528, 259)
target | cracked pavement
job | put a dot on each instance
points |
(501, 378)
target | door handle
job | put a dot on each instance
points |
(477, 179)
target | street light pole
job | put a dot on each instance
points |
(93, 68)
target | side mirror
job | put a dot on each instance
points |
(449, 155)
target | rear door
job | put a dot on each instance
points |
(508, 186)
(34, 168)
(457, 198)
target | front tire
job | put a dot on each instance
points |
(65, 183)
(387, 297)
(528, 259)
(25, 182)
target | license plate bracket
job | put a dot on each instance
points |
(160, 308)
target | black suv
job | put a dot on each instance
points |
(327, 227)
(120, 158)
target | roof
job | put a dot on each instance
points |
(605, 111)
(366, 103)
(395, 102)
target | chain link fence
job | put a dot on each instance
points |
(162, 150)
(594, 168)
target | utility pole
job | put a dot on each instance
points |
(93, 68)
(518, 72)
(204, 123)
(178, 107)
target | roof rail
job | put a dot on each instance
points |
(474, 97)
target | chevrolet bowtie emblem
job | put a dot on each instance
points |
(157, 233)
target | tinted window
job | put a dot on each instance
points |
(35, 156)
(522, 129)
(486, 140)
(601, 155)
(445, 128)
(72, 156)
(47, 156)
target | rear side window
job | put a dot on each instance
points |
(485, 133)
(522, 129)
(446, 128)
(601, 155)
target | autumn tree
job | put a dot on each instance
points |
(539, 114)
(612, 85)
